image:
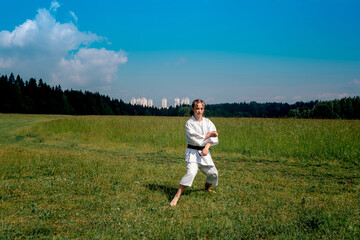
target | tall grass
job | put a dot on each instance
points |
(113, 177)
(308, 141)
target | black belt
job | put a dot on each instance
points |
(196, 147)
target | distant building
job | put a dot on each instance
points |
(143, 102)
(185, 101)
(177, 102)
(164, 103)
(149, 102)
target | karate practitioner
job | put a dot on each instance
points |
(200, 134)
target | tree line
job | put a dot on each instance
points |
(37, 97)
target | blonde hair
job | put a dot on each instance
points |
(194, 104)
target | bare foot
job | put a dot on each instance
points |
(174, 202)
(177, 195)
(209, 190)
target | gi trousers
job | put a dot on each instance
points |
(192, 169)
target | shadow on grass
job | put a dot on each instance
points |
(167, 190)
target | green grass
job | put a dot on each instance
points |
(112, 177)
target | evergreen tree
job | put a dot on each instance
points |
(32, 97)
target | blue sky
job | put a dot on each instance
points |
(220, 51)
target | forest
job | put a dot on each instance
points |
(37, 97)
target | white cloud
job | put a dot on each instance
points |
(74, 16)
(88, 66)
(210, 100)
(16, 38)
(355, 82)
(180, 61)
(343, 95)
(331, 96)
(183, 60)
(58, 52)
(4, 63)
(297, 98)
(278, 98)
(54, 6)
(258, 99)
(45, 34)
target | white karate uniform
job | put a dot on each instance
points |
(195, 133)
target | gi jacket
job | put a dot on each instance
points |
(195, 133)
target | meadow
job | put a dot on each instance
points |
(113, 177)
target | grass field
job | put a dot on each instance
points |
(111, 177)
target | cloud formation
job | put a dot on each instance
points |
(58, 52)
(330, 96)
(73, 15)
(356, 82)
(89, 65)
(54, 6)
(180, 61)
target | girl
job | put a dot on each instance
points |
(200, 134)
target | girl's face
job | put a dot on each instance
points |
(198, 111)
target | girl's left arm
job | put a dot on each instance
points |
(212, 136)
